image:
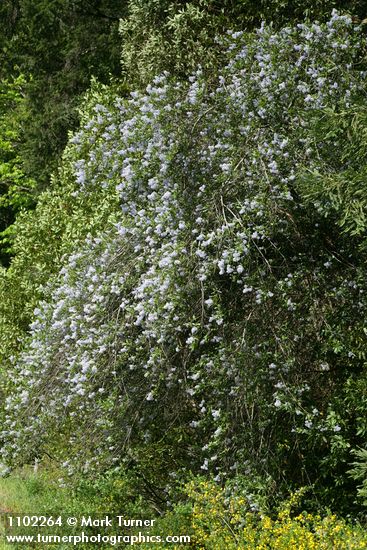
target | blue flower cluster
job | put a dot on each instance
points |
(174, 318)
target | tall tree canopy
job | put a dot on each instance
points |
(58, 45)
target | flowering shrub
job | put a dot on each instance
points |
(159, 35)
(218, 521)
(40, 238)
(204, 324)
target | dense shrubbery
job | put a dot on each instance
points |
(161, 35)
(216, 519)
(40, 238)
(211, 516)
(215, 323)
(59, 45)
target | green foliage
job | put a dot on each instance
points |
(183, 337)
(15, 188)
(359, 473)
(47, 493)
(41, 237)
(337, 186)
(59, 46)
(212, 517)
(215, 519)
(174, 36)
(216, 323)
(162, 35)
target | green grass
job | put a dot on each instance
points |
(38, 494)
(205, 514)
(26, 492)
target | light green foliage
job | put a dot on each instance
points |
(15, 188)
(46, 493)
(41, 237)
(212, 517)
(174, 36)
(11, 102)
